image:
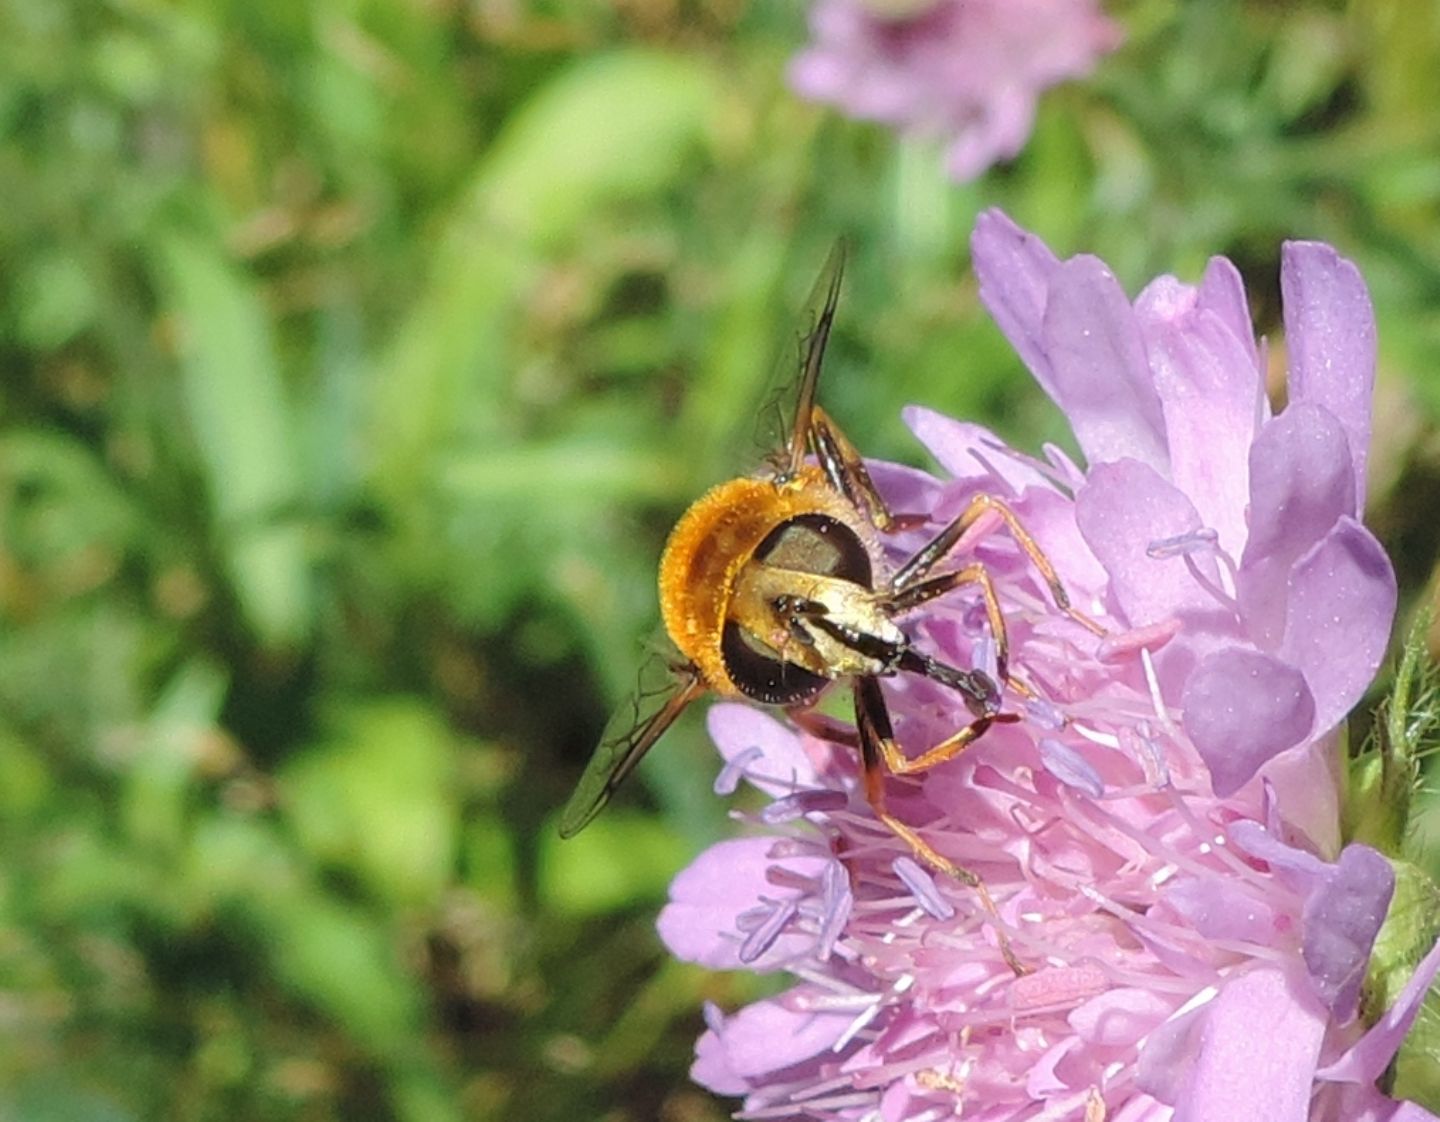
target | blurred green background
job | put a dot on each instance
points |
(358, 355)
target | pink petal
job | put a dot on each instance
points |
(998, 134)
(1257, 1047)
(766, 1037)
(1368, 1057)
(1300, 484)
(1210, 393)
(1042, 1080)
(1142, 1108)
(1243, 707)
(1223, 909)
(1167, 1057)
(712, 1070)
(1015, 268)
(1338, 618)
(1296, 869)
(958, 446)
(1222, 292)
(1330, 336)
(1119, 1017)
(906, 489)
(783, 765)
(1349, 1102)
(1345, 904)
(1122, 509)
(1102, 379)
(731, 877)
(1306, 785)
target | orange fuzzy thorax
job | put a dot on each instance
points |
(714, 540)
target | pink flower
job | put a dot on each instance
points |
(1161, 832)
(969, 71)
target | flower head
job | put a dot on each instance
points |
(1160, 832)
(968, 71)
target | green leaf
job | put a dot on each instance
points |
(618, 860)
(157, 783)
(378, 798)
(609, 127)
(56, 300)
(342, 962)
(237, 411)
(1382, 780)
(1410, 930)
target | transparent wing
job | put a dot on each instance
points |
(784, 417)
(663, 691)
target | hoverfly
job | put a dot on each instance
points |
(774, 586)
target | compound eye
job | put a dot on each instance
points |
(761, 676)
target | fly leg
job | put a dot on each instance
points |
(920, 591)
(919, 566)
(879, 753)
(822, 727)
(846, 471)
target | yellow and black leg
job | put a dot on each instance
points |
(919, 592)
(918, 567)
(845, 469)
(879, 753)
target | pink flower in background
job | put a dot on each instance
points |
(968, 71)
(1161, 831)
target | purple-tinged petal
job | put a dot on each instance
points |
(1342, 918)
(1298, 870)
(1243, 707)
(1349, 1102)
(1258, 1045)
(1338, 618)
(1009, 119)
(1306, 785)
(782, 766)
(1142, 1108)
(1224, 909)
(1300, 484)
(711, 1068)
(907, 490)
(1123, 508)
(1222, 292)
(768, 1036)
(1408, 1112)
(1168, 1055)
(968, 73)
(730, 878)
(1330, 337)
(1119, 1017)
(1015, 268)
(1211, 396)
(1345, 904)
(969, 451)
(1367, 1059)
(1102, 379)
(1042, 1080)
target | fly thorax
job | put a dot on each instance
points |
(828, 625)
